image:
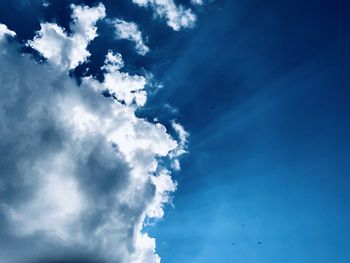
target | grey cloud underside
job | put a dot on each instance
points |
(32, 138)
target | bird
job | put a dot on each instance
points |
(259, 242)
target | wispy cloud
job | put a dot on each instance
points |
(130, 31)
(177, 16)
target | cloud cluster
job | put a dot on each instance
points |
(130, 31)
(80, 173)
(177, 16)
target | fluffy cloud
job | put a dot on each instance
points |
(130, 31)
(80, 172)
(126, 88)
(54, 43)
(177, 16)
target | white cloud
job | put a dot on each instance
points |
(79, 170)
(126, 88)
(177, 16)
(130, 31)
(164, 185)
(53, 42)
(5, 31)
(197, 2)
(181, 147)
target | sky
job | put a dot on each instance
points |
(174, 131)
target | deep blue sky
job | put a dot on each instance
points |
(263, 89)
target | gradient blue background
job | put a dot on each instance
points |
(263, 88)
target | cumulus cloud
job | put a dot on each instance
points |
(177, 16)
(80, 173)
(130, 31)
(55, 44)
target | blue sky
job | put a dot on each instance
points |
(267, 90)
(262, 88)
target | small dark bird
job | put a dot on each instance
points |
(259, 242)
(243, 225)
(233, 243)
(212, 107)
